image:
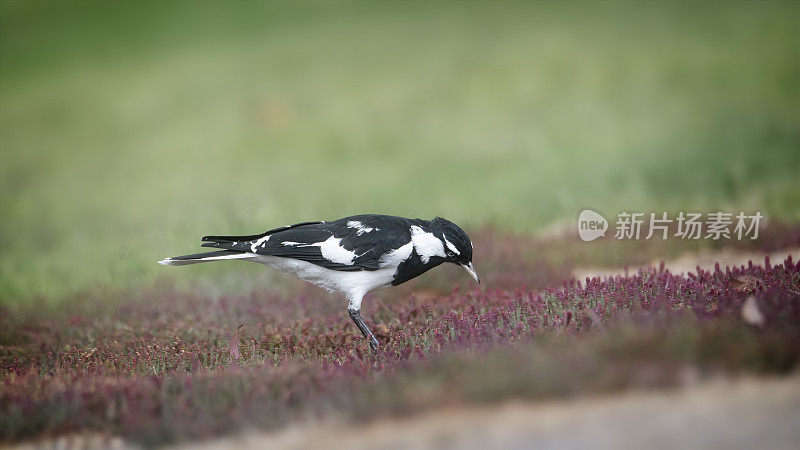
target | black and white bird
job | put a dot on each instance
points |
(352, 256)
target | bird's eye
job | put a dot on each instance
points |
(450, 254)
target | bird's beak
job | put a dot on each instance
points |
(471, 269)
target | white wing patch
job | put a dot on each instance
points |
(287, 243)
(262, 241)
(360, 227)
(451, 246)
(394, 257)
(426, 244)
(333, 251)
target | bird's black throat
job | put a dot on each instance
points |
(414, 267)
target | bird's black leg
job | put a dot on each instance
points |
(355, 314)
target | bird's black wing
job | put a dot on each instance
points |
(221, 239)
(372, 236)
(349, 244)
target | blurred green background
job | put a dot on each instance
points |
(129, 130)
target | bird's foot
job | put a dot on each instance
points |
(373, 343)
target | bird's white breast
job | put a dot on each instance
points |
(354, 283)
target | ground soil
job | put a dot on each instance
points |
(689, 262)
(720, 414)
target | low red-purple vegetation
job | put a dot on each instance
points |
(167, 365)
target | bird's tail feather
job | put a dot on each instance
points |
(205, 257)
(222, 239)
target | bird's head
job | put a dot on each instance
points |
(457, 245)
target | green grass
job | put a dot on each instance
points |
(129, 130)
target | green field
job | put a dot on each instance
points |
(129, 130)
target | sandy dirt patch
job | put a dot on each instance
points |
(741, 414)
